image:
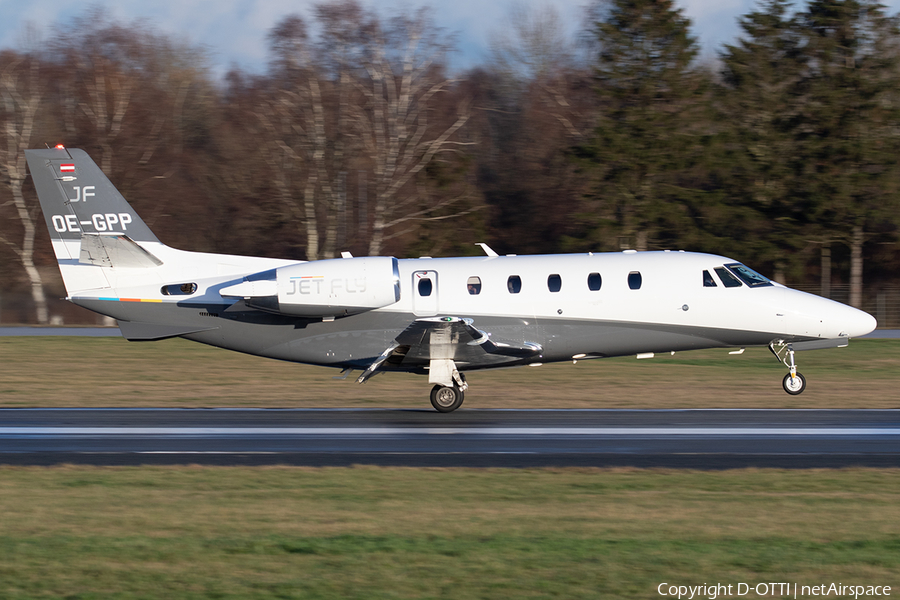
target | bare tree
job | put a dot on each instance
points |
(293, 118)
(534, 51)
(20, 92)
(175, 84)
(403, 65)
(360, 97)
(108, 69)
(98, 87)
(345, 26)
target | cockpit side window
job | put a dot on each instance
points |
(748, 275)
(708, 280)
(728, 280)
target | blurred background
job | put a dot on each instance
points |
(381, 131)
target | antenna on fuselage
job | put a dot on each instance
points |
(487, 249)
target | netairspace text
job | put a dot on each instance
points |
(778, 589)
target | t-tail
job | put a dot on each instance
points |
(111, 263)
(90, 223)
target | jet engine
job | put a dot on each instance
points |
(322, 288)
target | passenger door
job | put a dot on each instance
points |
(425, 293)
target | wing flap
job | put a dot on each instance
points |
(438, 338)
(448, 339)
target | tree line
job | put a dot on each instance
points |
(780, 153)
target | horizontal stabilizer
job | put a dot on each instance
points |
(117, 251)
(136, 331)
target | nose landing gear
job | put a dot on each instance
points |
(794, 383)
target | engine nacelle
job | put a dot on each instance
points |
(323, 288)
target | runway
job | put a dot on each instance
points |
(699, 439)
(44, 331)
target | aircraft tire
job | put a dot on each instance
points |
(446, 399)
(794, 387)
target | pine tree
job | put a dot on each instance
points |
(757, 107)
(846, 131)
(646, 136)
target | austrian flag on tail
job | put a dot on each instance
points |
(67, 168)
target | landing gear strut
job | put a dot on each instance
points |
(794, 383)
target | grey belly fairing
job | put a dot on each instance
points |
(356, 341)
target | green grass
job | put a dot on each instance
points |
(283, 532)
(48, 371)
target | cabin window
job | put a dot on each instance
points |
(728, 280)
(514, 284)
(554, 283)
(425, 287)
(473, 285)
(748, 275)
(594, 281)
(635, 280)
(708, 280)
(179, 289)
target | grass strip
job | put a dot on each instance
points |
(61, 371)
(372, 532)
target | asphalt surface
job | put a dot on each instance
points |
(30, 331)
(698, 439)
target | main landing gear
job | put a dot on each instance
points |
(794, 383)
(447, 398)
(451, 386)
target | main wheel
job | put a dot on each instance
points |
(794, 385)
(446, 399)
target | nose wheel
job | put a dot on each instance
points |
(794, 384)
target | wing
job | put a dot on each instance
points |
(448, 339)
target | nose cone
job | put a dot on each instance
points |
(856, 323)
(816, 317)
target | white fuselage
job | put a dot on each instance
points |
(671, 309)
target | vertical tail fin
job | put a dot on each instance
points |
(77, 197)
(91, 225)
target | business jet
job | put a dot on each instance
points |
(440, 317)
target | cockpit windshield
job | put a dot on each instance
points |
(728, 280)
(748, 275)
